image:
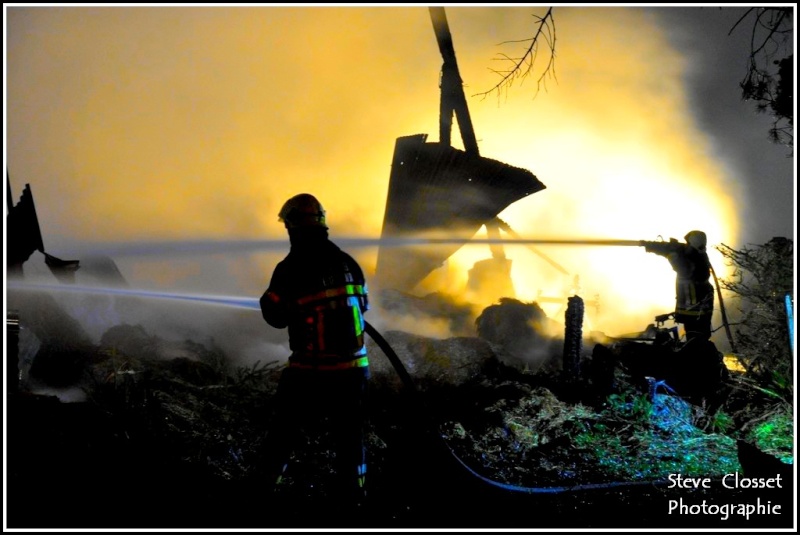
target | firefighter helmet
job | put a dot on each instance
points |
(303, 210)
(697, 239)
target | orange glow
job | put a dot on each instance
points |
(185, 123)
(621, 159)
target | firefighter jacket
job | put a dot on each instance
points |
(318, 291)
(694, 293)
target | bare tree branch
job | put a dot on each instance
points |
(522, 66)
(770, 45)
(746, 13)
(771, 27)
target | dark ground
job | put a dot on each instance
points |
(67, 469)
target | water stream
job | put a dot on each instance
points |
(194, 247)
(230, 301)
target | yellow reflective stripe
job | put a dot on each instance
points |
(355, 290)
(355, 363)
(688, 312)
(357, 320)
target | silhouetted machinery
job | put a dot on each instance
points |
(24, 237)
(436, 188)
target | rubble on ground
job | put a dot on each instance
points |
(181, 405)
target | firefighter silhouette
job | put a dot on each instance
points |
(694, 293)
(318, 291)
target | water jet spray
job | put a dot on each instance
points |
(431, 427)
(203, 247)
(230, 301)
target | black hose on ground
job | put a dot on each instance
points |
(722, 310)
(409, 384)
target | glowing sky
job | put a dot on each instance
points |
(176, 123)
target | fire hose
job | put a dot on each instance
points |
(442, 442)
(722, 310)
(397, 364)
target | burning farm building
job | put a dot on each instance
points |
(434, 186)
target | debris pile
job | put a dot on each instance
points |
(177, 417)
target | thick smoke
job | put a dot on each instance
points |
(202, 131)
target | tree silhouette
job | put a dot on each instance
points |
(762, 280)
(769, 80)
(520, 67)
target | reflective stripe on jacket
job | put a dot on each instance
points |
(321, 296)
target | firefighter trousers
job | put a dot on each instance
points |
(325, 403)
